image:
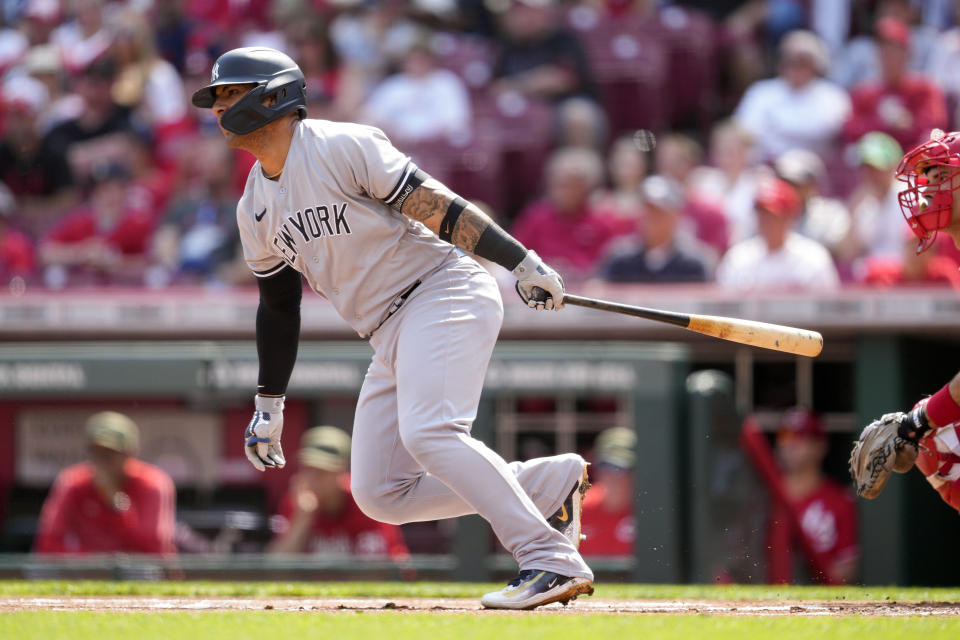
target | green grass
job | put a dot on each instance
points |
(406, 625)
(463, 590)
(306, 626)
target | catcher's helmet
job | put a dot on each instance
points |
(274, 73)
(929, 171)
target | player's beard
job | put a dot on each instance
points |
(257, 140)
(252, 142)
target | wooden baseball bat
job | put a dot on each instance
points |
(758, 334)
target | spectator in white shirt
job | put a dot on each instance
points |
(777, 258)
(422, 102)
(798, 109)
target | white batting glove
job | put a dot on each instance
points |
(262, 438)
(538, 285)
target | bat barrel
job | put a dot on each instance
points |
(758, 334)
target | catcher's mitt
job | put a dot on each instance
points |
(879, 452)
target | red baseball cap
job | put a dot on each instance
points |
(778, 197)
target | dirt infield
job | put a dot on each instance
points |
(461, 605)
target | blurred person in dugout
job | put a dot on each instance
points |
(608, 522)
(113, 502)
(825, 509)
(318, 514)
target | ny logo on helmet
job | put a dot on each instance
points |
(215, 73)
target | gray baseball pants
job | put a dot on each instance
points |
(413, 458)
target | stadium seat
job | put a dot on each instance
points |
(692, 77)
(630, 61)
(470, 57)
(521, 131)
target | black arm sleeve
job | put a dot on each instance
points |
(496, 245)
(278, 330)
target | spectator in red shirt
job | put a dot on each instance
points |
(105, 241)
(565, 228)
(319, 516)
(113, 503)
(826, 510)
(930, 268)
(902, 103)
(608, 522)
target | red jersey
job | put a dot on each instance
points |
(915, 94)
(573, 243)
(77, 519)
(130, 235)
(609, 533)
(888, 272)
(349, 532)
(939, 460)
(828, 517)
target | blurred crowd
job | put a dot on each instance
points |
(748, 143)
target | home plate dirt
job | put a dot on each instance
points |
(463, 605)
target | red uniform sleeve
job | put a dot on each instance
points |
(928, 462)
(55, 517)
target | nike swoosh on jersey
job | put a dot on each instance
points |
(259, 216)
(563, 517)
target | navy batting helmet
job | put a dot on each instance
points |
(274, 73)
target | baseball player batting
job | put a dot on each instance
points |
(927, 436)
(388, 246)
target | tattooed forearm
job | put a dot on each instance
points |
(429, 204)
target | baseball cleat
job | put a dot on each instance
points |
(567, 518)
(532, 588)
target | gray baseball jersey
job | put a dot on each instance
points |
(329, 216)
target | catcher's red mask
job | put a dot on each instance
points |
(929, 171)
